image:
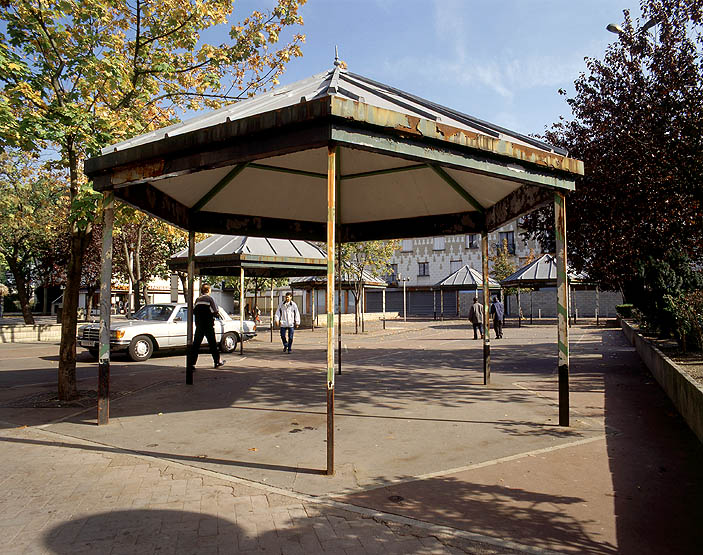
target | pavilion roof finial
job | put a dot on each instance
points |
(337, 62)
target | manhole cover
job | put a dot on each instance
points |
(396, 498)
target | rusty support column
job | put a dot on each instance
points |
(271, 309)
(189, 300)
(331, 224)
(597, 305)
(384, 308)
(519, 310)
(105, 297)
(486, 321)
(562, 307)
(339, 311)
(441, 304)
(241, 310)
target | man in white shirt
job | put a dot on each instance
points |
(288, 317)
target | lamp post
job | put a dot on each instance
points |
(405, 304)
(615, 28)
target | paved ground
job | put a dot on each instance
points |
(417, 436)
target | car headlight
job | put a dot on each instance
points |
(117, 334)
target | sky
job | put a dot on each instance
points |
(499, 60)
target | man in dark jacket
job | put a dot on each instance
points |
(476, 317)
(497, 312)
(205, 311)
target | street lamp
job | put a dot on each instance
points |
(405, 311)
(615, 28)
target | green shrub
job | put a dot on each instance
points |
(624, 310)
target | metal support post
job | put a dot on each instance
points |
(312, 309)
(441, 305)
(189, 300)
(519, 310)
(105, 294)
(271, 309)
(597, 305)
(241, 310)
(486, 321)
(434, 305)
(384, 307)
(339, 311)
(331, 224)
(562, 307)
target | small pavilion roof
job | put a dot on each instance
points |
(540, 273)
(309, 282)
(260, 256)
(466, 278)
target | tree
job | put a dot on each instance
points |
(30, 197)
(367, 258)
(638, 126)
(78, 75)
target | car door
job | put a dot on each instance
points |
(219, 323)
(178, 328)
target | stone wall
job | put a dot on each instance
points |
(29, 334)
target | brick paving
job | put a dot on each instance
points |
(63, 495)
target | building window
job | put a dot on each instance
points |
(423, 269)
(438, 244)
(407, 245)
(392, 276)
(472, 241)
(509, 238)
(454, 265)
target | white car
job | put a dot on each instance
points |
(158, 327)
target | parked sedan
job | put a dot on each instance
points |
(159, 327)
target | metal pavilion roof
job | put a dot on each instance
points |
(466, 278)
(260, 256)
(408, 167)
(344, 84)
(540, 273)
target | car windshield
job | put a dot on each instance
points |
(155, 312)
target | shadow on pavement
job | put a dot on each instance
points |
(166, 456)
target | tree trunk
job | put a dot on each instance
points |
(21, 283)
(80, 239)
(69, 317)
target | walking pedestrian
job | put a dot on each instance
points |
(476, 318)
(205, 312)
(497, 312)
(288, 317)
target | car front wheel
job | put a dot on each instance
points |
(229, 343)
(141, 348)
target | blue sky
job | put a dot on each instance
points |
(502, 61)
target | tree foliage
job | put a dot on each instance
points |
(638, 126)
(76, 75)
(358, 260)
(32, 200)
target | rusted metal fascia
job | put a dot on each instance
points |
(152, 201)
(404, 147)
(221, 184)
(203, 140)
(399, 122)
(463, 193)
(424, 226)
(521, 201)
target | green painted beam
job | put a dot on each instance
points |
(458, 188)
(435, 155)
(288, 170)
(383, 172)
(226, 180)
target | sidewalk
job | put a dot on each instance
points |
(73, 496)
